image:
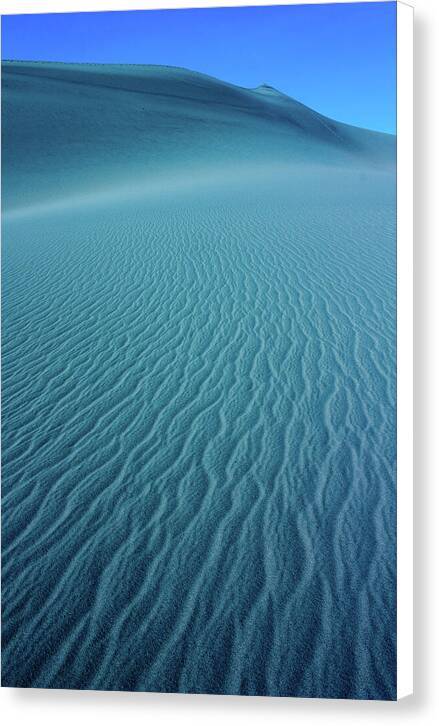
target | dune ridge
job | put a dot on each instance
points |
(198, 388)
(84, 125)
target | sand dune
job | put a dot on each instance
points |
(86, 128)
(198, 388)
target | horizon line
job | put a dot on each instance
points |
(201, 73)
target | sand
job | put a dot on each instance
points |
(198, 388)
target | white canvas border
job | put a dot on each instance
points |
(65, 6)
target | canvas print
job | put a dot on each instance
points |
(198, 350)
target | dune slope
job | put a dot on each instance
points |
(69, 128)
(198, 388)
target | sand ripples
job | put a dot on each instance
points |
(198, 464)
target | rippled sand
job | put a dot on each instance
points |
(198, 389)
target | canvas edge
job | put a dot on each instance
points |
(405, 17)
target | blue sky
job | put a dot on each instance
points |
(340, 59)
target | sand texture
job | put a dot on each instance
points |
(198, 388)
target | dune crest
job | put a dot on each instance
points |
(84, 124)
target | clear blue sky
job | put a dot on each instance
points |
(339, 59)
